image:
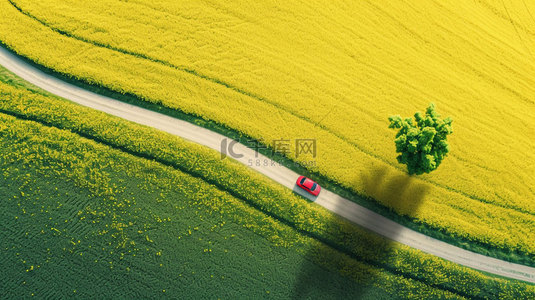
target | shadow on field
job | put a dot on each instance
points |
(353, 252)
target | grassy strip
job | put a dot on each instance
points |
(266, 196)
(437, 232)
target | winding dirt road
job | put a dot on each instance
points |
(337, 204)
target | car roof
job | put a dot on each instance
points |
(308, 183)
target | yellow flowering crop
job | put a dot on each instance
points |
(333, 72)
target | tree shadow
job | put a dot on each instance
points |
(399, 191)
(356, 253)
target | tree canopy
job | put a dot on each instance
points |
(422, 146)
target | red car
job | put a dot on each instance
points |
(308, 185)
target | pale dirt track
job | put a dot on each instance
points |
(339, 205)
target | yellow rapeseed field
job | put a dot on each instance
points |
(334, 72)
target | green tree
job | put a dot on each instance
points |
(422, 146)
